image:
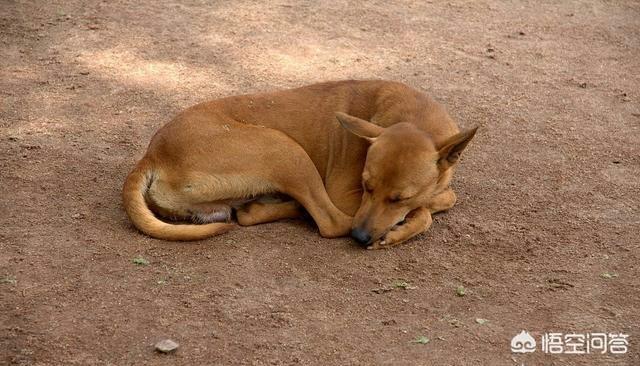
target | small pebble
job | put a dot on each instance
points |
(166, 346)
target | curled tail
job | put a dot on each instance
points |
(133, 196)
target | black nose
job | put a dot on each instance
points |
(361, 236)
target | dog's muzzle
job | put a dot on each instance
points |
(362, 236)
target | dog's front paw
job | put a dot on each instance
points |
(392, 238)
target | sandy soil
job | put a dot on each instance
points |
(549, 191)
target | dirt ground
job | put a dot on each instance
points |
(544, 237)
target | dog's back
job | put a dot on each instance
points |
(241, 147)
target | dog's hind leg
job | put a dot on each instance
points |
(244, 162)
(258, 212)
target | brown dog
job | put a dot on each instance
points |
(379, 176)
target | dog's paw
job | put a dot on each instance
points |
(381, 244)
(392, 238)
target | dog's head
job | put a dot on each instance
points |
(403, 170)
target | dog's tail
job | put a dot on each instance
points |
(133, 196)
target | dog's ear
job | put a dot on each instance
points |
(359, 127)
(450, 151)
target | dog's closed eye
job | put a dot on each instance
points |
(397, 198)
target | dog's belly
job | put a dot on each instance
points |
(210, 212)
(222, 211)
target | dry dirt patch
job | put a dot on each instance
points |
(548, 190)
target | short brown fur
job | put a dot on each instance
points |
(373, 158)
